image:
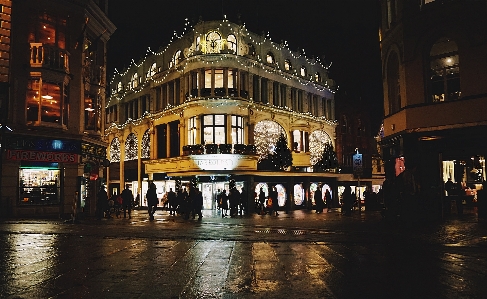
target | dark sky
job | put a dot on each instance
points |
(344, 32)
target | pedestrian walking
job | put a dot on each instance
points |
(329, 201)
(224, 203)
(197, 201)
(127, 201)
(348, 201)
(102, 199)
(261, 201)
(318, 197)
(152, 200)
(272, 201)
(172, 202)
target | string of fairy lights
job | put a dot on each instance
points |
(245, 62)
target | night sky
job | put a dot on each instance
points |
(343, 32)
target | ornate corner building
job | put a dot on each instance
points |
(434, 74)
(52, 72)
(211, 106)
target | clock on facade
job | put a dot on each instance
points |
(213, 42)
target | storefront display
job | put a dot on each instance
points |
(39, 186)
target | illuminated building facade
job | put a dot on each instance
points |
(210, 106)
(53, 60)
(434, 74)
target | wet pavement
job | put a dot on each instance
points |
(297, 255)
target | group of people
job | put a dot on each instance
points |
(231, 204)
(106, 207)
(267, 205)
(187, 204)
(320, 201)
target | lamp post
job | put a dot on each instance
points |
(358, 170)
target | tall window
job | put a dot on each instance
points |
(266, 134)
(192, 130)
(92, 112)
(115, 150)
(214, 129)
(393, 83)
(208, 78)
(176, 59)
(287, 65)
(146, 145)
(213, 42)
(135, 80)
(237, 129)
(219, 78)
(46, 102)
(232, 79)
(445, 71)
(232, 43)
(318, 77)
(317, 141)
(49, 30)
(131, 147)
(270, 58)
(152, 70)
(303, 71)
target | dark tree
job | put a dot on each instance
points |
(281, 157)
(328, 159)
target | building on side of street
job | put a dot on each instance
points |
(53, 61)
(210, 107)
(434, 74)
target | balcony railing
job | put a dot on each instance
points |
(49, 56)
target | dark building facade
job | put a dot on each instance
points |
(53, 60)
(435, 96)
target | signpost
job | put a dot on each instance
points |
(358, 171)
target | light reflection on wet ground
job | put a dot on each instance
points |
(315, 257)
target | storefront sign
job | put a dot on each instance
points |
(39, 156)
(215, 162)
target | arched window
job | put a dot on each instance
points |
(135, 80)
(251, 50)
(270, 58)
(266, 134)
(115, 150)
(393, 83)
(213, 42)
(232, 43)
(146, 145)
(152, 70)
(131, 147)
(176, 59)
(287, 65)
(119, 87)
(317, 142)
(303, 71)
(318, 77)
(444, 71)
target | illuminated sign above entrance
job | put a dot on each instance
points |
(216, 162)
(39, 156)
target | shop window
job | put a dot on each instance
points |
(214, 129)
(39, 186)
(237, 129)
(297, 141)
(444, 71)
(298, 195)
(281, 195)
(232, 43)
(266, 134)
(287, 65)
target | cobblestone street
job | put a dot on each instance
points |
(296, 255)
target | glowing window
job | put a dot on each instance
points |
(146, 145)
(232, 43)
(287, 65)
(135, 80)
(303, 71)
(317, 143)
(115, 150)
(131, 147)
(213, 42)
(270, 58)
(445, 71)
(266, 134)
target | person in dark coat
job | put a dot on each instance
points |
(318, 197)
(224, 203)
(101, 203)
(348, 200)
(329, 202)
(172, 201)
(197, 201)
(152, 200)
(261, 200)
(127, 201)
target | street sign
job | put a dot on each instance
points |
(357, 164)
